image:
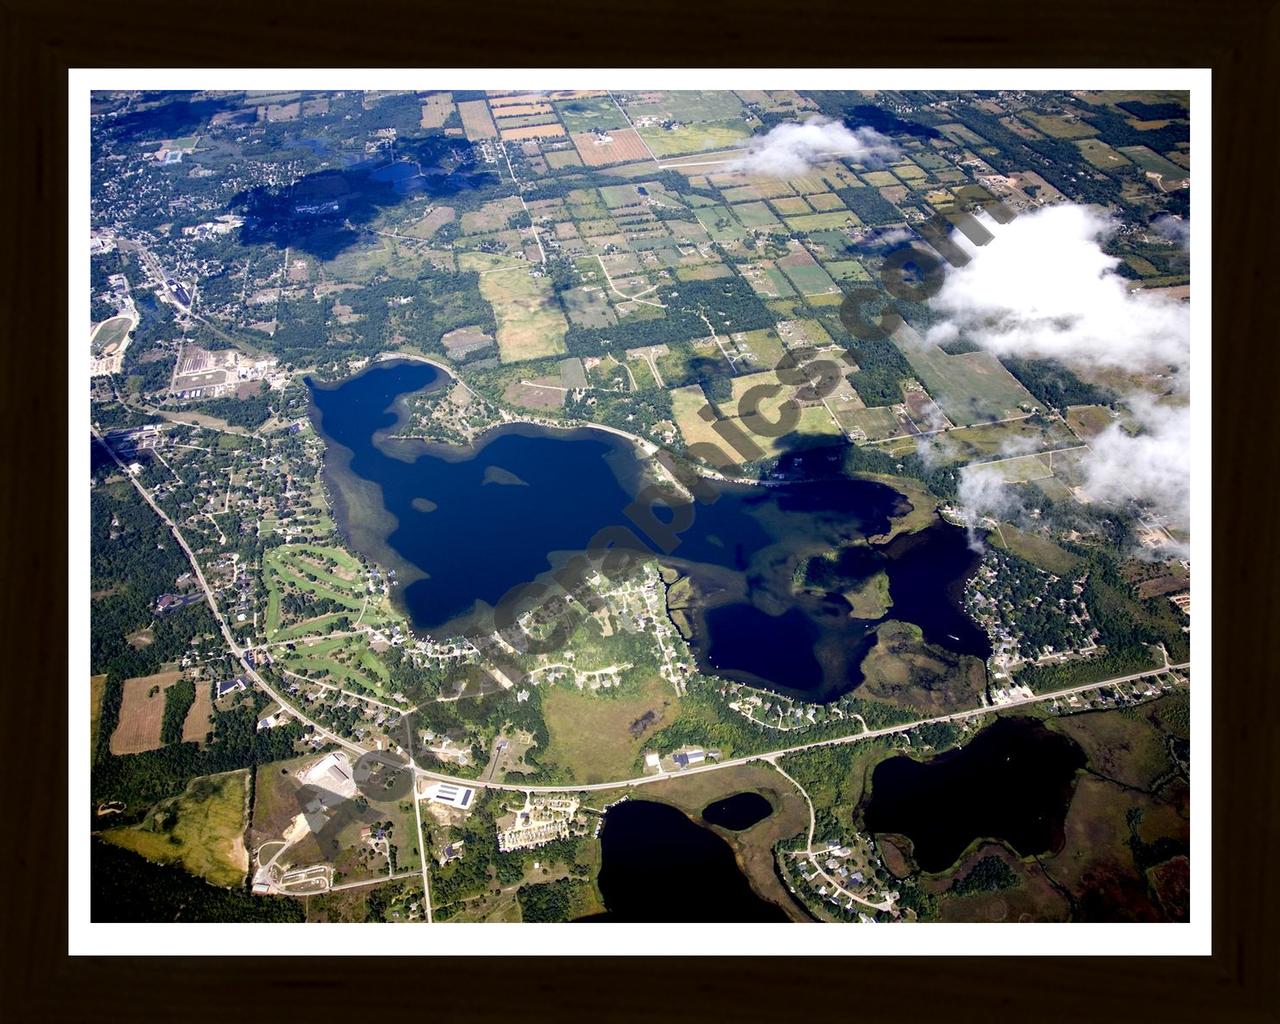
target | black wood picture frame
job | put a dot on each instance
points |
(1238, 39)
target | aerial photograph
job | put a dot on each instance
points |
(681, 506)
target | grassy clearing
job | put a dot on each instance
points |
(1035, 549)
(1089, 420)
(592, 738)
(530, 324)
(973, 387)
(203, 829)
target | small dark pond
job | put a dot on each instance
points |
(660, 866)
(737, 812)
(1013, 781)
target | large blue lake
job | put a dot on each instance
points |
(462, 526)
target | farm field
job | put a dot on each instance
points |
(202, 829)
(436, 109)
(588, 113)
(492, 216)
(1089, 420)
(695, 138)
(195, 726)
(1100, 155)
(990, 440)
(683, 105)
(755, 215)
(1152, 162)
(809, 278)
(530, 324)
(814, 420)
(970, 388)
(823, 221)
(142, 713)
(588, 307)
(767, 280)
(1058, 126)
(624, 145)
(876, 424)
(1021, 469)
(553, 130)
(476, 121)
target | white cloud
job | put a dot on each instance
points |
(1152, 466)
(1043, 288)
(934, 450)
(792, 149)
(983, 492)
(1173, 228)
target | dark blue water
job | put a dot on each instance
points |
(503, 513)
(1013, 781)
(738, 812)
(657, 865)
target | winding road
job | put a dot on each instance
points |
(770, 757)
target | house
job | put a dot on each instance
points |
(231, 686)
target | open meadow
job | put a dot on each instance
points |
(202, 829)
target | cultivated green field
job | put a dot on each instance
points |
(695, 138)
(588, 112)
(823, 221)
(1100, 154)
(810, 279)
(971, 388)
(685, 105)
(1151, 161)
(755, 215)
